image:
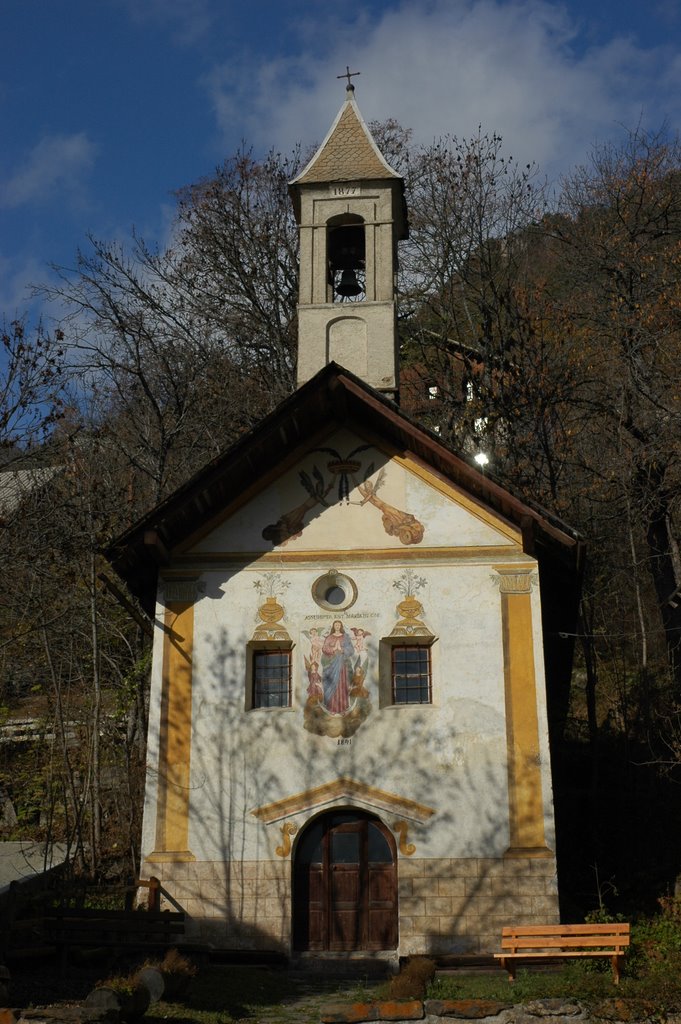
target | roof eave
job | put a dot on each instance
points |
(333, 394)
(349, 104)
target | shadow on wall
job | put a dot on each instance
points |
(238, 891)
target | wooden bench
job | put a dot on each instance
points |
(562, 942)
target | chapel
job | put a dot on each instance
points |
(359, 641)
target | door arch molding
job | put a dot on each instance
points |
(345, 883)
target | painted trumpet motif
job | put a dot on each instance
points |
(345, 473)
(402, 525)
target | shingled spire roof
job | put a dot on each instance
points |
(348, 153)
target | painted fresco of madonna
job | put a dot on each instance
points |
(336, 667)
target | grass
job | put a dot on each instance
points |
(570, 981)
(225, 994)
(587, 984)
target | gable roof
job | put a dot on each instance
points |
(348, 153)
(333, 397)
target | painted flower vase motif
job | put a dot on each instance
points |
(410, 610)
(271, 611)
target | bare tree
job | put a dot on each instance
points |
(621, 242)
(188, 347)
(30, 386)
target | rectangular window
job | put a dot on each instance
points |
(272, 679)
(411, 675)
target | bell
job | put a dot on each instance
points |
(349, 285)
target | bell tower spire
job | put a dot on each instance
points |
(349, 204)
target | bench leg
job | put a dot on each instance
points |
(616, 969)
(509, 965)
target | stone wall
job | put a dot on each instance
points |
(445, 905)
(242, 905)
(461, 905)
(539, 1011)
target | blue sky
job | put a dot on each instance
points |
(107, 106)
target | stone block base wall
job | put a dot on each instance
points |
(242, 905)
(445, 906)
(461, 905)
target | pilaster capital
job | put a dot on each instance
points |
(181, 591)
(515, 581)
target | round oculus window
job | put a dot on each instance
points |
(334, 591)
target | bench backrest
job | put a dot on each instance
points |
(552, 937)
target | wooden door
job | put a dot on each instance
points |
(345, 885)
(347, 927)
(381, 888)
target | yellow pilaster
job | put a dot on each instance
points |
(172, 807)
(526, 804)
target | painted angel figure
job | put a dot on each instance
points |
(359, 643)
(316, 643)
(315, 691)
(360, 661)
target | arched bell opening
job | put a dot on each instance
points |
(346, 254)
(345, 884)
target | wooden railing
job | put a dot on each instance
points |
(63, 920)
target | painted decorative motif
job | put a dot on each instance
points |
(406, 848)
(181, 590)
(410, 608)
(346, 473)
(288, 829)
(515, 581)
(336, 664)
(402, 525)
(270, 627)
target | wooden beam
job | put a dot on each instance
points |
(155, 545)
(139, 617)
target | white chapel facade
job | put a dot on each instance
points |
(349, 732)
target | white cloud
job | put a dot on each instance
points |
(17, 276)
(188, 20)
(56, 164)
(517, 67)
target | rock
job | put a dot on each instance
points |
(617, 1009)
(389, 1009)
(553, 1008)
(68, 1015)
(130, 1005)
(104, 999)
(471, 1009)
(152, 978)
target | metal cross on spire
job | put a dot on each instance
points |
(349, 74)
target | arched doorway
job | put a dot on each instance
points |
(345, 884)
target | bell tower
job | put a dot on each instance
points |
(350, 208)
